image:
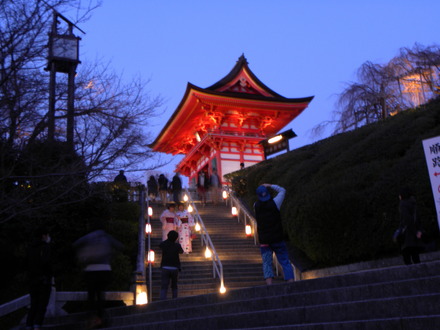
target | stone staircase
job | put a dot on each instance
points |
(239, 255)
(391, 297)
(399, 297)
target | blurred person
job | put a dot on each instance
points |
(270, 231)
(169, 220)
(121, 187)
(121, 178)
(184, 228)
(202, 186)
(176, 188)
(411, 228)
(94, 252)
(163, 189)
(152, 188)
(170, 264)
(40, 277)
(215, 186)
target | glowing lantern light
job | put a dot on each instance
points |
(234, 211)
(150, 211)
(150, 257)
(208, 253)
(185, 198)
(141, 298)
(222, 289)
(190, 208)
(197, 228)
(148, 228)
(275, 139)
(225, 194)
(248, 230)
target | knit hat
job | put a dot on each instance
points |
(263, 194)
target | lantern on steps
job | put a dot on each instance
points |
(234, 211)
(150, 257)
(225, 194)
(148, 228)
(248, 230)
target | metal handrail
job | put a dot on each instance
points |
(217, 267)
(247, 217)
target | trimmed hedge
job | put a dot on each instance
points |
(342, 192)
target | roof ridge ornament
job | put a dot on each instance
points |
(242, 58)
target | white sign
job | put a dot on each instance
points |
(432, 154)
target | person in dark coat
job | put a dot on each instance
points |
(202, 186)
(121, 187)
(152, 187)
(176, 188)
(39, 271)
(270, 231)
(163, 189)
(170, 264)
(94, 252)
(411, 226)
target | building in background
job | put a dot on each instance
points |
(220, 127)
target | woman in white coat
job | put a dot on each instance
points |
(185, 225)
(169, 220)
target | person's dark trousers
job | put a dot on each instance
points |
(176, 196)
(167, 276)
(411, 255)
(40, 294)
(97, 282)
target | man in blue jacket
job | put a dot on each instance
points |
(270, 231)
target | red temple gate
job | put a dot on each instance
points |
(220, 127)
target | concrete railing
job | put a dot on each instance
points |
(58, 299)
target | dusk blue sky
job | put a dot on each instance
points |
(297, 48)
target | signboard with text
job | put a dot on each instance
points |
(432, 154)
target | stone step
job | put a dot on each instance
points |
(383, 300)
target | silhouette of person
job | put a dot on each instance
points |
(39, 272)
(94, 252)
(120, 178)
(215, 186)
(176, 187)
(202, 186)
(121, 188)
(270, 231)
(163, 189)
(152, 187)
(170, 264)
(412, 244)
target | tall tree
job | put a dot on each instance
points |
(111, 115)
(408, 80)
